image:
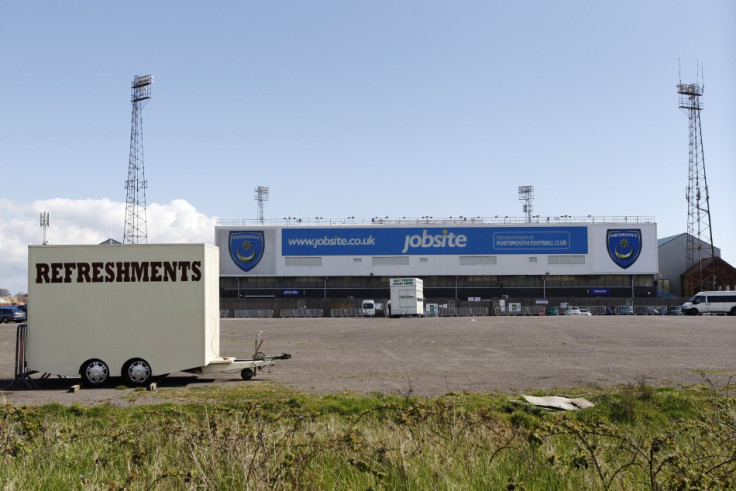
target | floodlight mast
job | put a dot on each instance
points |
(699, 230)
(136, 227)
(44, 225)
(526, 195)
(261, 197)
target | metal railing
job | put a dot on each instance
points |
(535, 310)
(427, 220)
(463, 311)
(301, 313)
(250, 314)
(351, 312)
(22, 373)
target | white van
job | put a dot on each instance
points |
(723, 302)
(368, 308)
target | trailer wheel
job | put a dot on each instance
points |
(247, 373)
(94, 373)
(136, 372)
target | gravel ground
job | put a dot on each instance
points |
(438, 355)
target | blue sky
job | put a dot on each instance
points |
(380, 108)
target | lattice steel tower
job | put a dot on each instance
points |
(526, 195)
(699, 230)
(261, 197)
(136, 228)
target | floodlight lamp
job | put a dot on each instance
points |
(526, 192)
(142, 80)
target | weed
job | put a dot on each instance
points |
(261, 438)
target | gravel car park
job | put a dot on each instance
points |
(434, 356)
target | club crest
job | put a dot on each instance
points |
(246, 248)
(624, 246)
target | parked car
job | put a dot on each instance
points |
(624, 310)
(11, 313)
(577, 311)
(368, 308)
(674, 310)
(651, 311)
(19, 316)
(553, 311)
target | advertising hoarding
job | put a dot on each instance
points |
(374, 241)
(593, 248)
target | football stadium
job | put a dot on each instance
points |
(468, 259)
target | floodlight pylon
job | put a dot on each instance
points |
(699, 230)
(136, 226)
(261, 196)
(526, 195)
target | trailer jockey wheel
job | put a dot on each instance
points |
(247, 373)
(94, 373)
(136, 372)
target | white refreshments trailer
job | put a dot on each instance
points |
(407, 297)
(133, 311)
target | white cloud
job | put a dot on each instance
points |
(87, 222)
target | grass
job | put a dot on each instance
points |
(263, 437)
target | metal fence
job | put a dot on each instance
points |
(301, 313)
(352, 312)
(536, 310)
(463, 311)
(249, 314)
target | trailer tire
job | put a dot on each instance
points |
(247, 373)
(95, 373)
(137, 372)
